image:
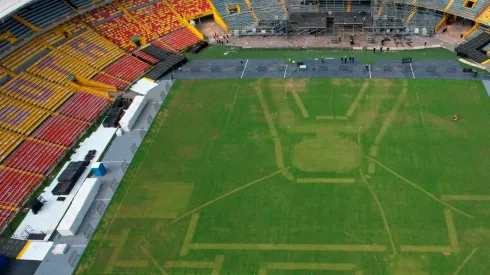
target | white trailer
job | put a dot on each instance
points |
(132, 113)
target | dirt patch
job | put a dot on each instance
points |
(188, 152)
(447, 125)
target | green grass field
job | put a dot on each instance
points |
(305, 176)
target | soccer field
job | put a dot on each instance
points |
(305, 176)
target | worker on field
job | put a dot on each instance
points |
(455, 117)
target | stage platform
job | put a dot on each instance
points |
(48, 218)
(324, 20)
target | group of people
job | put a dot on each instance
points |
(345, 59)
(221, 40)
(381, 49)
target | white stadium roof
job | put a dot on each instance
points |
(10, 6)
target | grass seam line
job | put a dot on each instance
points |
(466, 260)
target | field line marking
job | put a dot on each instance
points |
(278, 151)
(391, 115)
(189, 235)
(382, 212)
(326, 180)
(267, 114)
(324, 117)
(375, 197)
(285, 70)
(370, 71)
(287, 175)
(218, 264)
(357, 100)
(263, 270)
(310, 266)
(117, 250)
(225, 195)
(465, 198)
(331, 117)
(371, 168)
(413, 74)
(420, 248)
(153, 260)
(132, 263)
(244, 68)
(189, 264)
(466, 260)
(299, 103)
(418, 187)
(287, 247)
(420, 111)
(124, 196)
(451, 228)
(232, 108)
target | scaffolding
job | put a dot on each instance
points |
(403, 17)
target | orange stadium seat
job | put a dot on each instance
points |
(8, 142)
(20, 117)
(60, 130)
(180, 39)
(34, 156)
(128, 68)
(84, 106)
(101, 13)
(121, 29)
(16, 59)
(16, 186)
(128, 4)
(158, 17)
(191, 8)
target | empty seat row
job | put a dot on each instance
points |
(111, 80)
(158, 17)
(146, 57)
(60, 130)
(35, 156)
(99, 14)
(20, 117)
(458, 7)
(36, 91)
(62, 33)
(473, 49)
(5, 215)
(44, 12)
(92, 49)
(15, 186)
(180, 39)
(235, 21)
(191, 8)
(121, 29)
(8, 142)
(20, 56)
(128, 68)
(84, 106)
(129, 4)
(58, 67)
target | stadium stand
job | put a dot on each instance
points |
(164, 46)
(473, 49)
(156, 52)
(128, 68)
(8, 142)
(35, 156)
(191, 9)
(60, 130)
(79, 3)
(111, 80)
(180, 39)
(4, 216)
(102, 14)
(16, 185)
(131, 4)
(146, 57)
(57, 67)
(458, 8)
(235, 21)
(121, 29)
(84, 106)
(16, 28)
(158, 18)
(92, 49)
(267, 9)
(20, 117)
(45, 12)
(61, 34)
(25, 56)
(34, 90)
(171, 61)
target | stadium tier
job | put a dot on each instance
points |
(474, 48)
(131, 4)
(15, 185)
(180, 39)
(20, 117)
(158, 18)
(16, 28)
(8, 142)
(101, 14)
(236, 14)
(146, 57)
(60, 130)
(191, 9)
(45, 12)
(79, 3)
(92, 49)
(164, 46)
(121, 29)
(268, 9)
(128, 68)
(461, 8)
(20, 59)
(111, 80)
(36, 91)
(84, 106)
(57, 67)
(34, 156)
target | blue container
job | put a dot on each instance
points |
(98, 169)
(3, 262)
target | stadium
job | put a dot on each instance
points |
(244, 137)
